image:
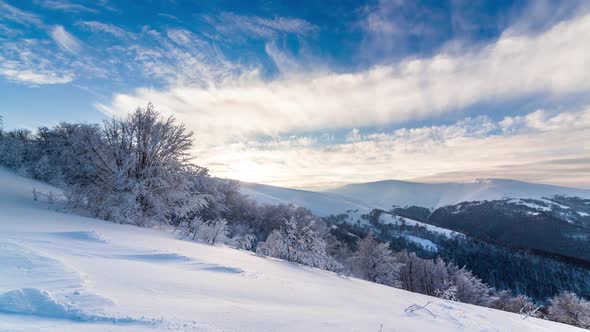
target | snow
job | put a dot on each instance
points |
(425, 243)
(530, 205)
(385, 194)
(62, 272)
(321, 204)
(387, 218)
(554, 203)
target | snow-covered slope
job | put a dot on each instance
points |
(321, 204)
(61, 272)
(388, 218)
(385, 194)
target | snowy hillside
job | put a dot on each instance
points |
(321, 204)
(62, 272)
(384, 194)
(358, 199)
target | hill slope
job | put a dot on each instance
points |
(319, 203)
(62, 272)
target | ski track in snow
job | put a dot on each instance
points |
(61, 272)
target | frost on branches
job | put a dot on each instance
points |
(375, 262)
(208, 232)
(298, 242)
(568, 308)
(139, 169)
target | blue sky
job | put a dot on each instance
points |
(315, 94)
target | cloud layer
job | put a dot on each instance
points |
(554, 63)
(540, 146)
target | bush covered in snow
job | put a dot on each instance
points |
(568, 308)
(375, 262)
(296, 241)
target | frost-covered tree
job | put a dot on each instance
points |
(311, 250)
(470, 289)
(16, 150)
(245, 241)
(568, 308)
(140, 170)
(297, 242)
(375, 262)
(213, 231)
(281, 243)
(424, 276)
(503, 300)
(437, 278)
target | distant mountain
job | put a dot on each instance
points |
(386, 194)
(557, 226)
(319, 203)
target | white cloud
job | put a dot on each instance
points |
(543, 121)
(29, 61)
(549, 151)
(354, 135)
(285, 63)
(553, 63)
(230, 24)
(30, 76)
(17, 15)
(107, 28)
(66, 6)
(65, 40)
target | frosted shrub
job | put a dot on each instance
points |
(298, 243)
(568, 308)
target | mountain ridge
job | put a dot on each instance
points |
(386, 194)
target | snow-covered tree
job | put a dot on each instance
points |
(245, 241)
(437, 278)
(16, 149)
(375, 262)
(297, 242)
(140, 170)
(503, 300)
(568, 308)
(213, 231)
(470, 289)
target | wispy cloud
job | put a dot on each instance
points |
(12, 72)
(28, 62)
(96, 26)
(14, 14)
(65, 40)
(66, 6)
(230, 24)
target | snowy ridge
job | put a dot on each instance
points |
(62, 272)
(385, 194)
(321, 204)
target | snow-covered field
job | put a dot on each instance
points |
(61, 272)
